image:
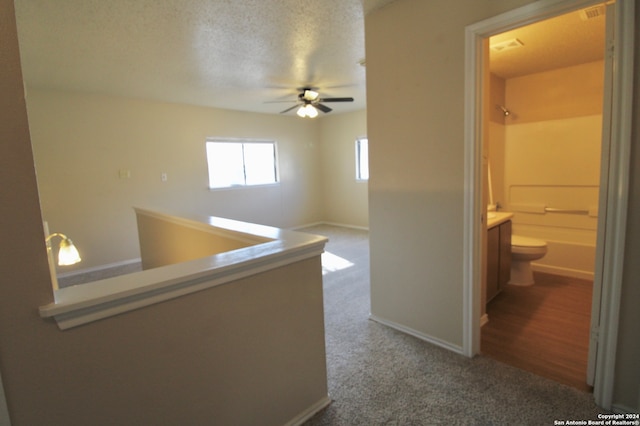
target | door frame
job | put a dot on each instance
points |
(613, 220)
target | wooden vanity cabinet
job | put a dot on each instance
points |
(498, 258)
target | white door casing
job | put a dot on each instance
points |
(602, 202)
(614, 183)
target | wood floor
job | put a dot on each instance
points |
(543, 328)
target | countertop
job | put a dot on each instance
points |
(496, 218)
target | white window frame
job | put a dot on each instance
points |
(242, 142)
(358, 151)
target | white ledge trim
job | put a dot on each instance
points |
(82, 304)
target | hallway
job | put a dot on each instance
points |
(378, 375)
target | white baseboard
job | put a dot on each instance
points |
(307, 225)
(344, 225)
(309, 412)
(341, 225)
(99, 268)
(418, 334)
(484, 319)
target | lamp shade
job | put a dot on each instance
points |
(68, 253)
(307, 110)
(312, 112)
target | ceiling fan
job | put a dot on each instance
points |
(309, 102)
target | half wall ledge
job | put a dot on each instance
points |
(268, 248)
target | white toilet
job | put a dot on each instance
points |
(523, 251)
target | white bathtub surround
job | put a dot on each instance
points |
(551, 183)
(567, 259)
(546, 162)
(570, 251)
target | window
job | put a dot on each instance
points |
(362, 159)
(241, 163)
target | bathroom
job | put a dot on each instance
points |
(543, 156)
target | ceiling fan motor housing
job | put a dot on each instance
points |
(309, 96)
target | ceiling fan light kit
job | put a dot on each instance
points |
(307, 110)
(310, 95)
(309, 102)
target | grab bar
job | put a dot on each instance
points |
(569, 211)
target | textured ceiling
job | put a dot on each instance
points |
(555, 43)
(234, 54)
(241, 54)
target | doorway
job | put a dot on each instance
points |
(613, 197)
(543, 129)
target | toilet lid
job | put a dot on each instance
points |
(517, 240)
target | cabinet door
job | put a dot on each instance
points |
(493, 261)
(504, 273)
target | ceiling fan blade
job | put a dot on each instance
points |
(336, 100)
(323, 108)
(289, 109)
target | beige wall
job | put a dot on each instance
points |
(25, 282)
(81, 141)
(345, 200)
(568, 92)
(495, 148)
(415, 119)
(496, 92)
(167, 242)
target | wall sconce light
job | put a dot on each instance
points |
(67, 252)
(67, 255)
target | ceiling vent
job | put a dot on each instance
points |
(592, 12)
(506, 45)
